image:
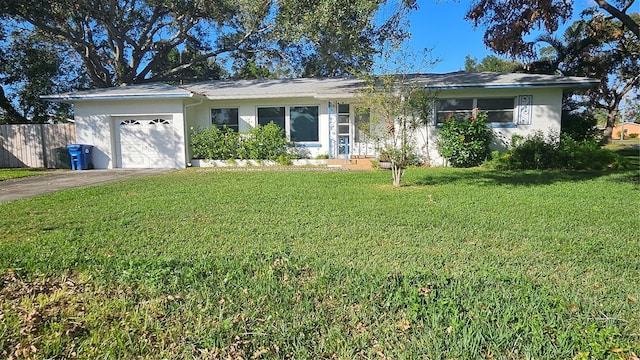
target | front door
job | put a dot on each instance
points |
(344, 131)
(343, 147)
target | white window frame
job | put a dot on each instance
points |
(235, 128)
(287, 120)
(474, 109)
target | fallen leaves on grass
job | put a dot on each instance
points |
(46, 308)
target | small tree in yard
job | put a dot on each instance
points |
(397, 104)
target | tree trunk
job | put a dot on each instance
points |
(396, 174)
(611, 123)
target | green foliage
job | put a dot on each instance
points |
(579, 126)
(341, 37)
(266, 142)
(287, 37)
(215, 143)
(398, 107)
(490, 63)
(464, 140)
(260, 143)
(31, 67)
(602, 48)
(284, 160)
(507, 24)
(306, 265)
(205, 69)
(536, 152)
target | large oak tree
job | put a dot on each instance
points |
(508, 22)
(121, 42)
(598, 47)
(603, 45)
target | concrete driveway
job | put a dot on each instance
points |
(15, 189)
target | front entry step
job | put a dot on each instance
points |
(360, 163)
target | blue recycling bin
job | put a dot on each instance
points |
(80, 156)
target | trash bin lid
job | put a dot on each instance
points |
(74, 147)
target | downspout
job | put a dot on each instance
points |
(329, 124)
(185, 135)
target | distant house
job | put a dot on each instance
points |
(627, 129)
(149, 126)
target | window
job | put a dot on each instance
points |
(271, 114)
(343, 119)
(129, 122)
(499, 110)
(304, 123)
(225, 118)
(159, 122)
(453, 107)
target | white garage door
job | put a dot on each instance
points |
(147, 143)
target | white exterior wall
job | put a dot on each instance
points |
(96, 120)
(95, 125)
(199, 116)
(546, 114)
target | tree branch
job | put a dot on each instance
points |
(620, 15)
(11, 115)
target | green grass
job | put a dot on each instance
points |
(629, 141)
(266, 264)
(6, 174)
(630, 149)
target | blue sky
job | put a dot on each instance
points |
(440, 26)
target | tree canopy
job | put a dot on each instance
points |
(118, 42)
(29, 68)
(603, 44)
(132, 41)
(597, 47)
(508, 22)
(490, 63)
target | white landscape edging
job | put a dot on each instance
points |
(244, 163)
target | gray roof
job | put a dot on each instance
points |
(326, 88)
(319, 88)
(489, 80)
(142, 91)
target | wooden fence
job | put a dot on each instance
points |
(35, 145)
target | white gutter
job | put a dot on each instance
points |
(184, 135)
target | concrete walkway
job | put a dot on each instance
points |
(20, 188)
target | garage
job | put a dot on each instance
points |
(146, 142)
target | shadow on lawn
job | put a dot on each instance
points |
(520, 178)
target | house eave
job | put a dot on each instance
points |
(564, 85)
(76, 98)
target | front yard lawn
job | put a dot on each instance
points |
(6, 174)
(303, 265)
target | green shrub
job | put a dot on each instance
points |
(214, 143)
(579, 126)
(261, 143)
(536, 153)
(284, 160)
(266, 142)
(633, 136)
(464, 141)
